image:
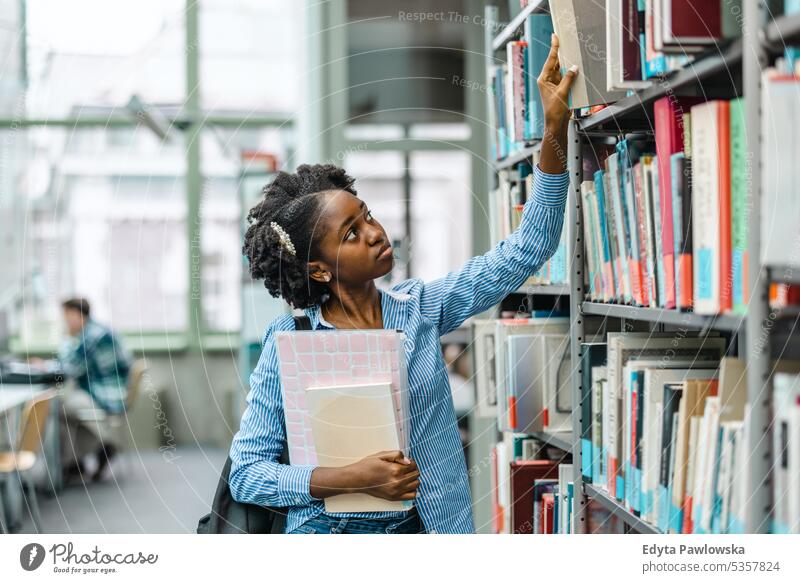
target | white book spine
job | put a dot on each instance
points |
(705, 208)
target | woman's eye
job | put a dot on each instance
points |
(350, 235)
(369, 215)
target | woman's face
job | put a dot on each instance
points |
(354, 248)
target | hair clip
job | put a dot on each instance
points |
(286, 241)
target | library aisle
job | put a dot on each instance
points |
(647, 379)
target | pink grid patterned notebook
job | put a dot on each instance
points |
(340, 357)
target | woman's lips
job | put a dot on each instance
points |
(386, 253)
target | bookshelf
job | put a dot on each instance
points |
(632, 522)
(552, 289)
(511, 30)
(561, 439)
(635, 112)
(730, 70)
(724, 322)
(781, 31)
(517, 157)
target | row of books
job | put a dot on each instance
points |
(643, 39)
(655, 439)
(665, 431)
(522, 372)
(532, 494)
(665, 225)
(506, 205)
(517, 114)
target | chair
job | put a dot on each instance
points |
(116, 422)
(19, 462)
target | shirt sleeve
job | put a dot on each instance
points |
(72, 358)
(256, 475)
(486, 279)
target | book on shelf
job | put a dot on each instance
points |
(683, 431)
(711, 207)
(665, 222)
(786, 453)
(780, 174)
(581, 27)
(538, 29)
(506, 204)
(669, 133)
(523, 474)
(516, 111)
(624, 34)
(529, 356)
(623, 347)
(542, 498)
(483, 369)
(517, 470)
(593, 357)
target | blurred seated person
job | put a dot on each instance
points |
(96, 366)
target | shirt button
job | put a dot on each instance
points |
(298, 500)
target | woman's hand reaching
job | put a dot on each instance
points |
(554, 90)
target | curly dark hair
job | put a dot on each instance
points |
(290, 201)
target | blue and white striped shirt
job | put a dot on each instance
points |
(424, 311)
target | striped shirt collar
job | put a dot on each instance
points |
(393, 309)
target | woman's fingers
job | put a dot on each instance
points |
(551, 71)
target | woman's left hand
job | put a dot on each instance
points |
(554, 89)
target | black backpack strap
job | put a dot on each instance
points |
(302, 323)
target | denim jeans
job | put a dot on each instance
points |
(327, 524)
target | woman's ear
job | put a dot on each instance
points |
(318, 272)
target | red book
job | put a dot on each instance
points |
(497, 508)
(523, 474)
(641, 233)
(725, 218)
(692, 21)
(548, 506)
(668, 113)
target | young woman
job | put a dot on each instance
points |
(318, 246)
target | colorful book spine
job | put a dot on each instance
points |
(739, 181)
(608, 272)
(668, 113)
(641, 233)
(682, 216)
(516, 52)
(538, 30)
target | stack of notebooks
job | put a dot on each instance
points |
(665, 225)
(505, 213)
(345, 396)
(667, 430)
(522, 373)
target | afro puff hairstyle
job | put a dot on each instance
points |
(290, 201)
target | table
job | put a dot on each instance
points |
(12, 400)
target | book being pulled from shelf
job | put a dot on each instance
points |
(506, 205)
(665, 224)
